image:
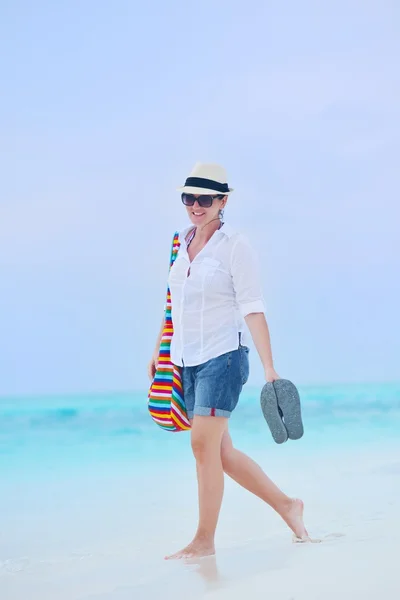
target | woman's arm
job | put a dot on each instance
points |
(158, 341)
(258, 327)
(152, 366)
(245, 271)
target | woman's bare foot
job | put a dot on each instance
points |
(197, 548)
(293, 516)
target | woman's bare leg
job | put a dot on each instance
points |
(249, 475)
(206, 437)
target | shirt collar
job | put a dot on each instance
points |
(226, 229)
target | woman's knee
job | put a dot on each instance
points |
(206, 438)
(200, 447)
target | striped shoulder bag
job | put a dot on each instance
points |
(165, 399)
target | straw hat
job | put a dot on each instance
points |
(206, 178)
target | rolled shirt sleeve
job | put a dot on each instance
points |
(245, 270)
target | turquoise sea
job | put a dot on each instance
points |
(93, 495)
(38, 434)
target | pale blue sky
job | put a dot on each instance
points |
(105, 107)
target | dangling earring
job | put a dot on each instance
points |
(221, 213)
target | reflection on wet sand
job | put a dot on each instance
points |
(207, 568)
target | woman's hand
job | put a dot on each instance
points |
(271, 375)
(152, 366)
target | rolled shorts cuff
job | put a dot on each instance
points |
(206, 411)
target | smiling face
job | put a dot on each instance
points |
(200, 216)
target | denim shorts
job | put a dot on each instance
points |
(213, 388)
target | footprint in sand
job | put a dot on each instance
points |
(308, 540)
(333, 536)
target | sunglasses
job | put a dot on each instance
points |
(204, 201)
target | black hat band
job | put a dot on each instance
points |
(207, 184)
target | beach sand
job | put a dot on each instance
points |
(102, 534)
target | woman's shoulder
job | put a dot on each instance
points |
(241, 247)
(179, 235)
(182, 234)
(236, 236)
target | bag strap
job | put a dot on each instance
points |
(174, 248)
(176, 244)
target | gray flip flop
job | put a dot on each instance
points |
(280, 403)
(272, 414)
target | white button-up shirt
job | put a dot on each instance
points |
(209, 303)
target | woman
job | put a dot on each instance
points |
(215, 291)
